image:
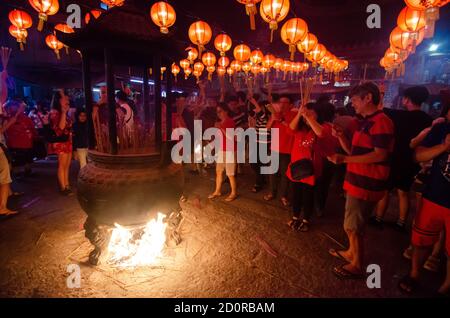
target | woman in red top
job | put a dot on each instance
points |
(61, 140)
(312, 142)
(226, 155)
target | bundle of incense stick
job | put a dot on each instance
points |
(306, 86)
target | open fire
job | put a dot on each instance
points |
(142, 246)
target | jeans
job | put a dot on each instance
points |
(303, 198)
(256, 167)
(279, 182)
(323, 185)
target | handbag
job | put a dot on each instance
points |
(51, 136)
(302, 169)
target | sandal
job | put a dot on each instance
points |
(269, 197)
(8, 213)
(294, 224)
(256, 189)
(285, 202)
(408, 284)
(432, 264)
(231, 198)
(214, 195)
(343, 273)
(304, 226)
(337, 254)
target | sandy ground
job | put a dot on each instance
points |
(238, 249)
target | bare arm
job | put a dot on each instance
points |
(378, 155)
(415, 142)
(294, 123)
(315, 126)
(425, 154)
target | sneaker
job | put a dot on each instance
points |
(400, 227)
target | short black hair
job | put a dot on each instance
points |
(232, 98)
(366, 88)
(326, 111)
(417, 94)
(241, 95)
(286, 96)
(121, 95)
(225, 107)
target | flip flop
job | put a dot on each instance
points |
(9, 213)
(231, 198)
(213, 196)
(408, 284)
(342, 273)
(337, 254)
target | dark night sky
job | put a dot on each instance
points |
(339, 24)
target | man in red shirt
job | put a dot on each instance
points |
(20, 137)
(282, 115)
(367, 172)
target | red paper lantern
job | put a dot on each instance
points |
(223, 43)
(293, 32)
(242, 53)
(250, 9)
(20, 19)
(19, 34)
(44, 8)
(53, 43)
(200, 34)
(163, 15)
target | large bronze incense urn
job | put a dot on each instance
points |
(129, 177)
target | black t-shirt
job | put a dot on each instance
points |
(407, 125)
(437, 187)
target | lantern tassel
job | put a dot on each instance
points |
(40, 26)
(251, 11)
(429, 29)
(22, 48)
(57, 54)
(292, 49)
(67, 50)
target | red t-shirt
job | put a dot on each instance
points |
(284, 144)
(227, 144)
(367, 181)
(21, 134)
(307, 145)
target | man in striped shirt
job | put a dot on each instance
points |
(367, 172)
(261, 116)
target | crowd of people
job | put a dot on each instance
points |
(367, 149)
(378, 149)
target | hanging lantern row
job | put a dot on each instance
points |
(415, 22)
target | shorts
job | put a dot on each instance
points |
(226, 161)
(5, 175)
(429, 223)
(402, 178)
(357, 213)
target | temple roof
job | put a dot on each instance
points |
(125, 30)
